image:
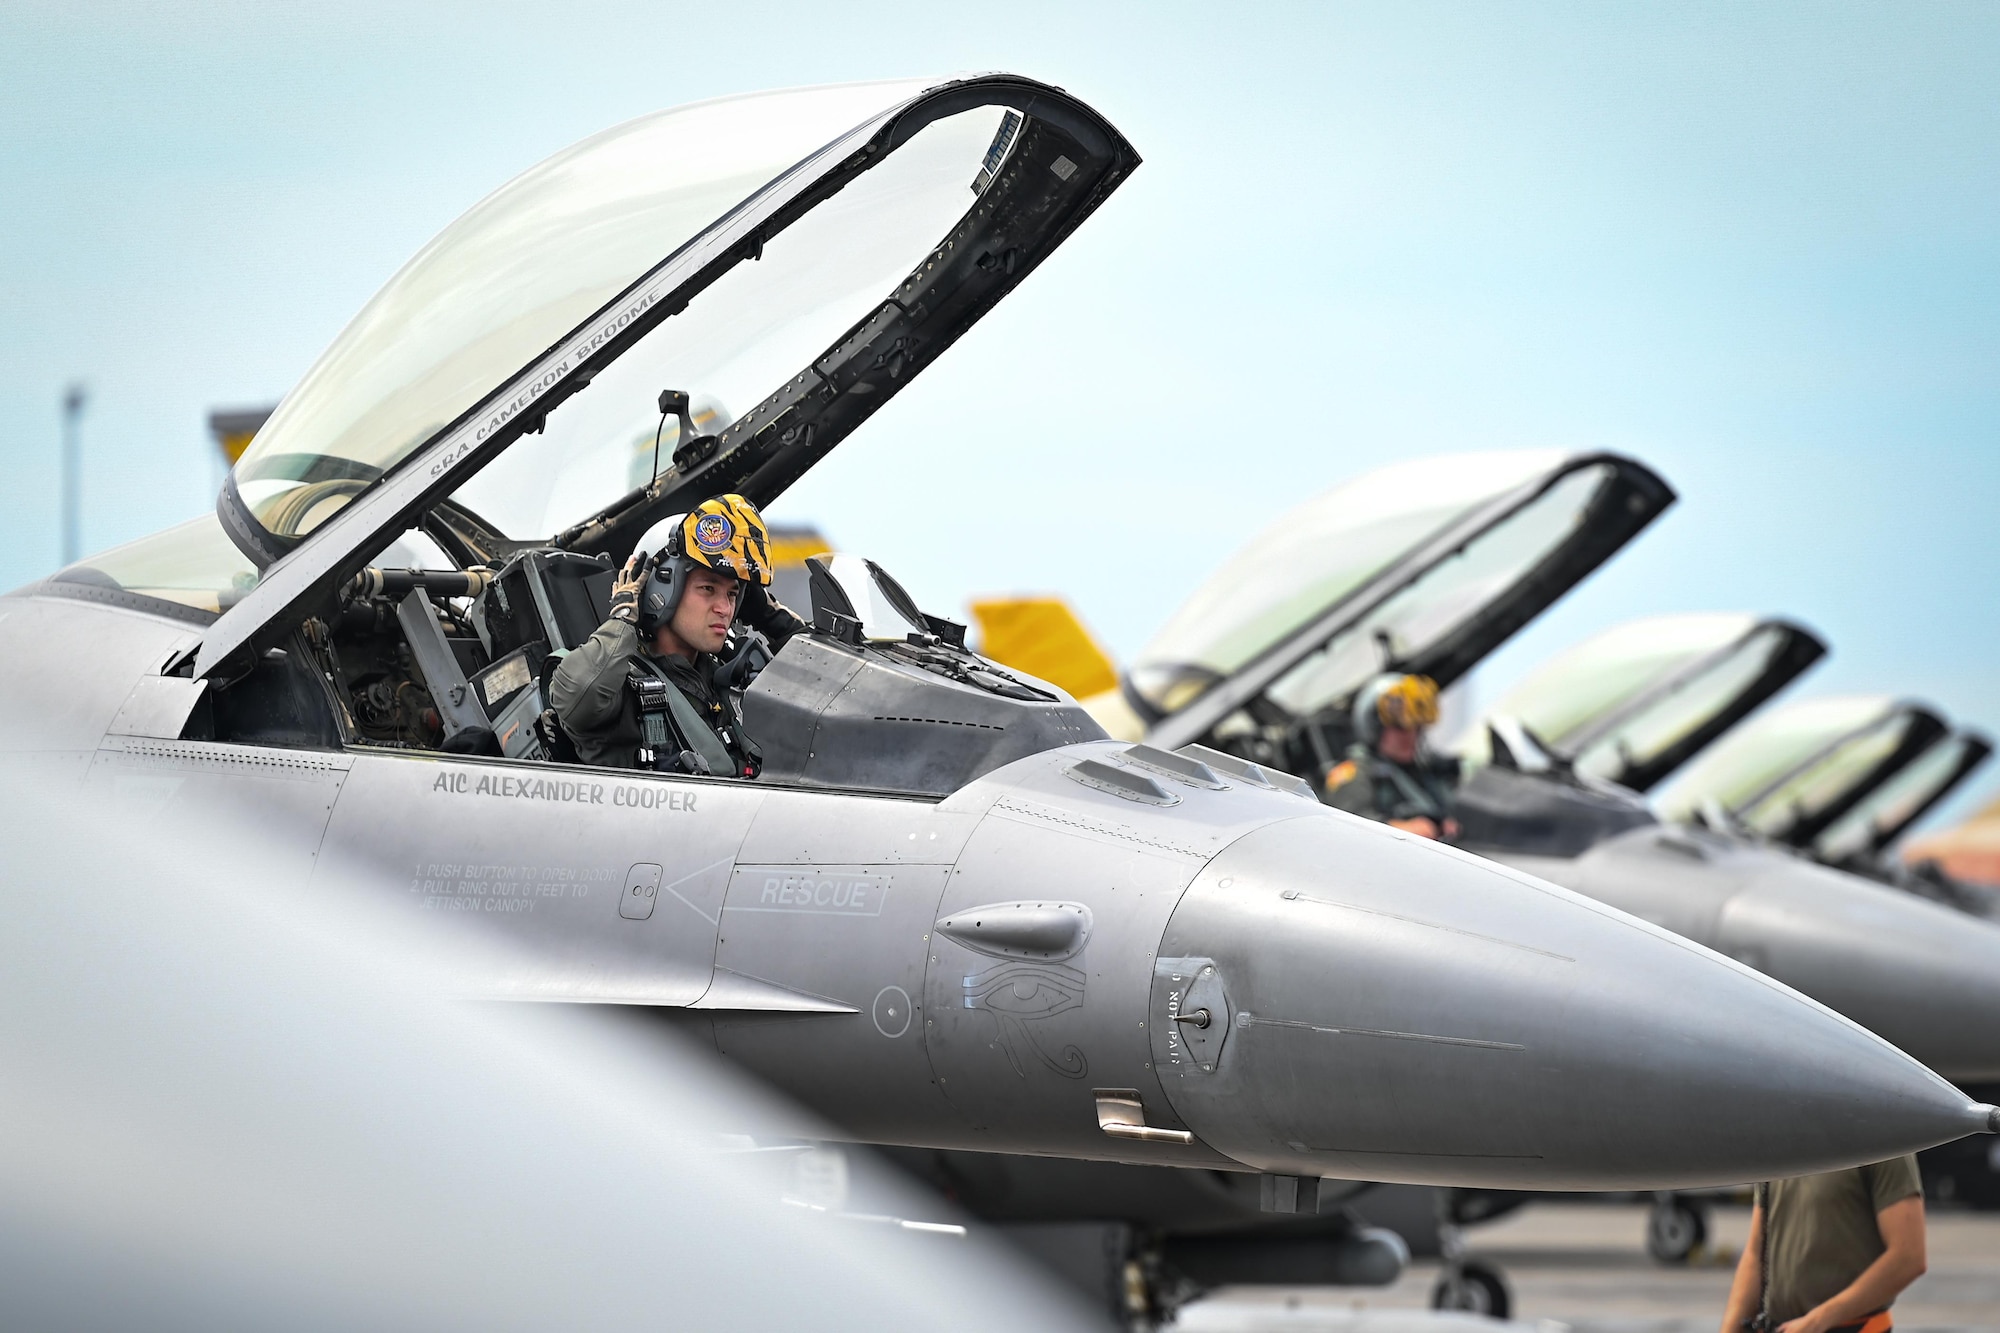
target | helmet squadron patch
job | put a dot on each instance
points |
(713, 533)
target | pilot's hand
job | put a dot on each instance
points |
(1421, 825)
(625, 589)
(767, 615)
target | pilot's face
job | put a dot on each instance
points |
(707, 609)
(1398, 745)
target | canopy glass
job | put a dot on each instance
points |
(756, 327)
(1315, 555)
(1476, 576)
(192, 564)
(1620, 705)
(1884, 813)
(514, 274)
(1792, 763)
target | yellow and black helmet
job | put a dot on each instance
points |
(1411, 702)
(728, 534)
(725, 534)
(1395, 700)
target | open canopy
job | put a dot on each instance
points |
(1887, 812)
(788, 260)
(1796, 770)
(510, 277)
(1424, 566)
(1634, 703)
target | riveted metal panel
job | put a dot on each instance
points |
(1020, 1043)
(195, 790)
(532, 861)
(70, 666)
(852, 933)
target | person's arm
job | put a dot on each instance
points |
(589, 686)
(1746, 1291)
(1901, 1262)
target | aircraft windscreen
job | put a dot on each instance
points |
(192, 564)
(1891, 806)
(755, 328)
(522, 268)
(1566, 697)
(1312, 557)
(1682, 709)
(1740, 770)
(1441, 600)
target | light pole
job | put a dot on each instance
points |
(75, 397)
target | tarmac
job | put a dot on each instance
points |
(1583, 1267)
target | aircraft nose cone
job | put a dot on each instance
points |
(1439, 1019)
(1917, 974)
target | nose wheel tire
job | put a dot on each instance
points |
(1475, 1287)
(1675, 1229)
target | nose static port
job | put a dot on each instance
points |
(1919, 975)
(1471, 1025)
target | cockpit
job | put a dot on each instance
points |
(1421, 567)
(699, 302)
(421, 652)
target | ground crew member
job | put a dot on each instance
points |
(642, 691)
(1389, 774)
(1828, 1253)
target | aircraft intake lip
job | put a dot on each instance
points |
(1399, 1011)
(1918, 974)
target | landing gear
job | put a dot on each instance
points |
(1474, 1286)
(1675, 1229)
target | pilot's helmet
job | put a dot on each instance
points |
(727, 534)
(1394, 700)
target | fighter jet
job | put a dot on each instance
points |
(952, 913)
(1635, 703)
(1427, 567)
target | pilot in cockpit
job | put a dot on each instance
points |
(649, 689)
(1389, 774)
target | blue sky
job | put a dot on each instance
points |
(1756, 245)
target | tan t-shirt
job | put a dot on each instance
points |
(1820, 1232)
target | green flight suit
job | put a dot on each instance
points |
(1366, 784)
(598, 710)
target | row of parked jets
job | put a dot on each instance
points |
(1095, 962)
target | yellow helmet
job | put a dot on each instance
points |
(1410, 703)
(728, 534)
